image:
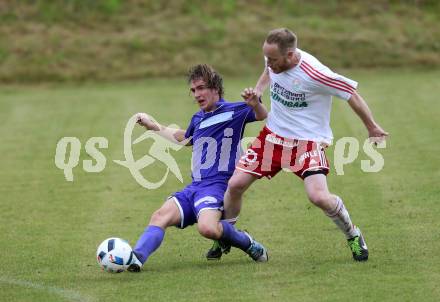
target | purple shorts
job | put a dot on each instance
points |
(197, 197)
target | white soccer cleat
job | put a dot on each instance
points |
(257, 251)
(135, 266)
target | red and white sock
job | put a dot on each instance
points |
(341, 218)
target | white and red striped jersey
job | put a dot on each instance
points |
(301, 99)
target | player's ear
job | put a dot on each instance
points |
(290, 54)
(217, 91)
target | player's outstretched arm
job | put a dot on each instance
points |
(252, 99)
(375, 132)
(262, 83)
(175, 135)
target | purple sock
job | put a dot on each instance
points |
(234, 237)
(149, 241)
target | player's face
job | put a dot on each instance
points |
(204, 96)
(277, 61)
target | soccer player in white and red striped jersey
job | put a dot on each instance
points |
(298, 130)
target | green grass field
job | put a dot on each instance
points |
(50, 228)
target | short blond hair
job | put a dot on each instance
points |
(283, 38)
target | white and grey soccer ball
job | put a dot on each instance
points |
(114, 255)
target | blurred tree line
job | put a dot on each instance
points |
(64, 40)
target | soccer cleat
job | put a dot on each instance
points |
(257, 251)
(135, 266)
(217, 250)
(358, 247)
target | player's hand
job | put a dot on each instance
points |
(250, 97)
(258, 93)
(377, 134)
(144, 119)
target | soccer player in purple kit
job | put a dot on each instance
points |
(214, 133)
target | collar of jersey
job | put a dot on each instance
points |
(219, 105)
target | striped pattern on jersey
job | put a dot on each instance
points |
(326, 80)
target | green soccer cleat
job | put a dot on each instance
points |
(358, 247)
(217, 250)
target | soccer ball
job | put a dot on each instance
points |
(114, 255)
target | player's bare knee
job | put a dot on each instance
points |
(319, 198)
(208, 230)
(159, 218)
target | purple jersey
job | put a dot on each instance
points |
(216, 139)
